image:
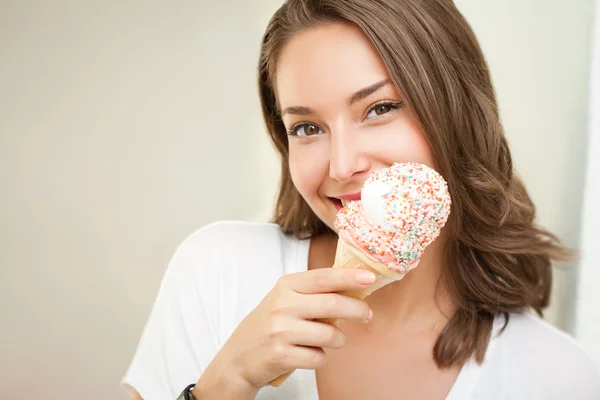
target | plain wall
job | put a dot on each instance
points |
(587, 320)
(125, 126)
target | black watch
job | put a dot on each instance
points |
(187, 393)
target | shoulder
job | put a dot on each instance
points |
(227, 242)
(230, 266)
(229, 255)
(227, 234)
(530, 333)
(548, 360)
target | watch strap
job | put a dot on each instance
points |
(187, 393)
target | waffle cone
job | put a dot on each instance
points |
(347, 256)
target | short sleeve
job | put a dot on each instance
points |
(549, 364)
(569, 373)
(181, 336)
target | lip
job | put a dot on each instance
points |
(354, 196)
(336, 201)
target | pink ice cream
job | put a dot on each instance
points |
(402, 211)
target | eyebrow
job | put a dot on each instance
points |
(359, 95)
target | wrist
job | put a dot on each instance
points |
(223, 386)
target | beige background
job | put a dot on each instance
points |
(587, 312)
(126, 125)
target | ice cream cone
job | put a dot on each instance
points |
(347, 256)
(401, 211)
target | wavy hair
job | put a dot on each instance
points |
(499, 260)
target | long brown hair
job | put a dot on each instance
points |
(498, 260)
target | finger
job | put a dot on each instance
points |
(315, 334)
(327, 280)
(333, 305)
(285, 358)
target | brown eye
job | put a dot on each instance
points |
(305, 130)
(382, 109)
(311, 130)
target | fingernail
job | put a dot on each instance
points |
(365, 278)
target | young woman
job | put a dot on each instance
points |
(349, 87)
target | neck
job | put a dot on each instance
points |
(420, 298)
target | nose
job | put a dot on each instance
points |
(347, 159)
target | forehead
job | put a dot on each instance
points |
(326, 64)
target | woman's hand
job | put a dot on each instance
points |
(281, 333)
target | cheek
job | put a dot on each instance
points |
(419, 142)
(405, 142)
(308, 168)
(419, 150)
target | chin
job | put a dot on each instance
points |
(329, 221)
(325, 211)
(327, 217)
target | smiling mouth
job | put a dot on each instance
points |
(338, 203)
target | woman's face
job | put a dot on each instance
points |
(344, 117)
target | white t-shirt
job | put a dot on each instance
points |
(221, 273)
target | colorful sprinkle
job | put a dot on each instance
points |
(416, 206)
